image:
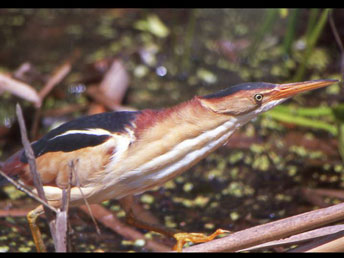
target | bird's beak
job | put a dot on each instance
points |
(287, 90)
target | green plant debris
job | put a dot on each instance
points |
(256, 148)
(154, 25)
(235, 157)
(147, 198)
(4, 249)
(139, 242)
(187, 187)
(261, 163)
(206, 76)
(13, 192)
(292, 170)
(127, 242)
(234, 216)
(170, 185)
(141, 71)
(318, 60)
(24, 249)
(120, 214)
(209, 226)
(199, 201)
(169, 222)
(338, 168)
(238, 189)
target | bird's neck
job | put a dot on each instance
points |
(168, 135)
(178, 123)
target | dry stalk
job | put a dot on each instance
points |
(315, 234)
(331, 243)
(112, 222)
(22, 188)
(62, 218)
(33, 169)
(272, 230)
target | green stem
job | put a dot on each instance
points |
(269, 21)
(288, 39)
(311, 42)
(301, 121)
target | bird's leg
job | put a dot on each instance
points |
(36, 233)
(132, 219)
(181, 237)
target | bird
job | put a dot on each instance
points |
(120, 154)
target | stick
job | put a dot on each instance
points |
(112, 222)
(36, 178)
(62, 219)
(315, 234)
(272, 231)
(19, 89)
(22, 188)
(331, 243)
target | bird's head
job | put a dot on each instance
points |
(251, 99)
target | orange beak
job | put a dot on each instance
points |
(291, 89)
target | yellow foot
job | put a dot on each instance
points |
(36, 233)
(182, 238)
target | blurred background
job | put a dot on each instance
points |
(60, 64)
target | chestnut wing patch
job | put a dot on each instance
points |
(83, 132)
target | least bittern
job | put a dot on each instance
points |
(121, 154)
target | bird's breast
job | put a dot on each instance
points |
(167, 165)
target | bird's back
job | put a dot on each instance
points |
(82, 139)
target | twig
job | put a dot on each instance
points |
(36, 178)
(336, 245)
(28, 192)
(273, 230)
(325, 192)
(331, 243)
(61, 231)
(14, 212)
(112, 222)
(299, 238)
(58, 75)
(18, 88)
(62, 218)
(55, 79)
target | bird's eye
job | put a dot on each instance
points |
(258, 97)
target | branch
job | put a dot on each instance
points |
(308, 236)
(112, 222)
(272, 231)
(22, 188)
(36, 178)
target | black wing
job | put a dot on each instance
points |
(56, 141)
